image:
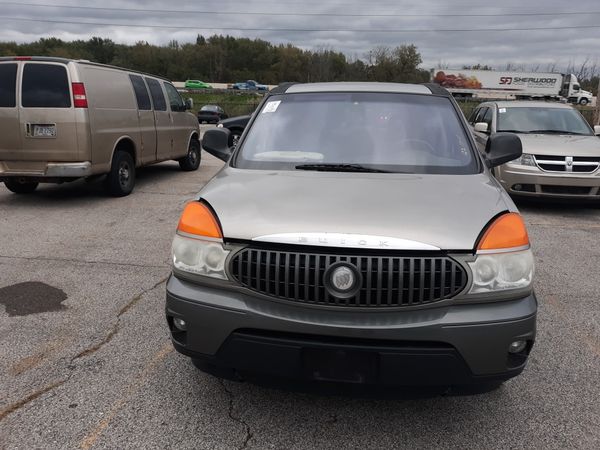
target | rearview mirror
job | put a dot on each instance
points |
(597, 130)
(189, 103)
(502, 148)
(216, 142)
(481, 127)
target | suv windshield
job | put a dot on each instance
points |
(383, 132)
(542, 120)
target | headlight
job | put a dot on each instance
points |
(199, 256)
(524, 160)
(219, 125)
(502, 271)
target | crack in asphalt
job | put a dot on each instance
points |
(88, 351)
(84, 261)
(235, 418)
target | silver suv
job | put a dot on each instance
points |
(355, 235)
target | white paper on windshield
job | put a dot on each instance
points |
(271, 107)
(502, 110)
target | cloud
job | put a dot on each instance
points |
(454, 49)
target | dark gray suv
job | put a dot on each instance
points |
(355, 235)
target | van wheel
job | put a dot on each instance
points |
(191, 161)
(121, 178)
(20, 186)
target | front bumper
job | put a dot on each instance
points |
(533, 182)
(455, 344)
(44, 170)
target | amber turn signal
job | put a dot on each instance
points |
(507, 231)
(199, 220)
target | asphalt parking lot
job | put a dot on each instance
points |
(86, 361)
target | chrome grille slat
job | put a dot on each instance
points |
(577, 164)
(388, 281)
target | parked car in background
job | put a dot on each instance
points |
(197, 84)
(561, 152)
(355, 235)
(61, 120)
(236, 126)
(211, 114)
(249, 85)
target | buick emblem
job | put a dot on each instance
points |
(342, 280)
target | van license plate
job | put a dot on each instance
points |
(48, 131)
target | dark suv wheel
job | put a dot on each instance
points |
(19, 186)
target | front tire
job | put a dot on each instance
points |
(121, 178)
(191, 161)
(583, 101)
(21, 186)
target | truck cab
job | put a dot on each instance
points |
(571, 90)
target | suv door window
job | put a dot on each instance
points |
(174, 98)
(8, 84)
(45, 86)
(473, 116)
(487, 118)
(141, 92)
(158, 97)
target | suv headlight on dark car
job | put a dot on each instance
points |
(504, 260)
(198, 245)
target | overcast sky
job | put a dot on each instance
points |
(451, 48)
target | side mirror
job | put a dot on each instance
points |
(216, 142)
(597, 130)
(189, 104)
(481, 127)
(502, 148)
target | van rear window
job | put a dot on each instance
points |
(158, 97)
(8, 83)
(45, 86)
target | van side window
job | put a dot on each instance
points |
(45, 86)
(141, 92)
(174, 98)
(8, 85)
(157, 95)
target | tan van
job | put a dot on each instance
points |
(62, 119)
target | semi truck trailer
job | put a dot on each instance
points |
(511, 85)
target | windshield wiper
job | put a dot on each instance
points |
(556, 132)
(340, 168)
(513, 131)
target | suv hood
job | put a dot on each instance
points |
(444, 211)
(560, 145)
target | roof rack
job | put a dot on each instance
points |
(437, 89)
(282, 87)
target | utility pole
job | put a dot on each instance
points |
(597, 110)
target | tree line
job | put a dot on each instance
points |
(229, 59)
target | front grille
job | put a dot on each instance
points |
(575, 164)
(387, 281)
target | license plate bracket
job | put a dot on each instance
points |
(340, 365)
(43, 130)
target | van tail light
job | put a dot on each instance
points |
(505, 232)
(79, 97)
(198, 219)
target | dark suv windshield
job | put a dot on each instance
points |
(538, 119)
(385, 132)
